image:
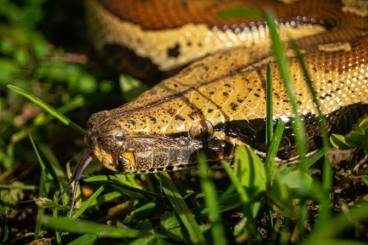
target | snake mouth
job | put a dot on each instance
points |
(122, 162)
(122, 151)
(110, 151)
(138, 153)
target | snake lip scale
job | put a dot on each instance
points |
(218, 100)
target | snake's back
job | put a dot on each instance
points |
(154, 38)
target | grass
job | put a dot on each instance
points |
(212, 203)
(145, 209)
(48, 108)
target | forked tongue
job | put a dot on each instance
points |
(82, 164)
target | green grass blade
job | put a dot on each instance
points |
(48, 203)
(365, 180)
(246, 203)
(86, 239)
(229, 191)
(42, 164)
(83, 227)
(104, 198)
(23, 187)
(46, 177)
(312, 159)
(327, 170)
(171, 227)
(43, 118)
(303, 212)
(48, 108)
(339, 223)
(321, 118)
(55, 167)
(181, 209)
(107, 178)
(272, 151)
(250, 171)
(53, 170)
(327, 179)
(212, 204)
(236, 13)
(281, 59)
(72, 104)
(269, 117)
(150, 209)
(88, 202)
(233, 202)
(125, 186)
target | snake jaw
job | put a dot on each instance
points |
(124, 161)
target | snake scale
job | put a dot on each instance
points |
(218, 100)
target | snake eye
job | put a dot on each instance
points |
(201, 130)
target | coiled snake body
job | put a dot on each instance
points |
(219, 101)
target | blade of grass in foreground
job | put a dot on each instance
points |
(269, 117)
(124, 187)
(54, 166)
(48, 108)
(45, 118)
(51, 172)
(280, 55)
(105, 198)
(83, 227)
(309, 161)
(338, 224)
(274, 146)
(212, 204)
(327, 171)
(181, 208)
(324, 211)
(23, 187)
(42, 164)
(246, 203)
(88, 202)
(85, 239)
(44, 185)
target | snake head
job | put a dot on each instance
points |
(125, 151)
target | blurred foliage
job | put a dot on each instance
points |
(44, 50)
(29, 61)
(63, 76)
(358, 138)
